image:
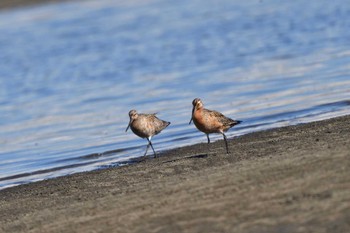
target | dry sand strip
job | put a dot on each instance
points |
(6, 4)
(292, 179)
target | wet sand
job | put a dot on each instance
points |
(292, 179)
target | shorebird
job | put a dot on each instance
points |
(146, 126)
(209, 121)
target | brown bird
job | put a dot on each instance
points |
(209, 121)
(146, 126)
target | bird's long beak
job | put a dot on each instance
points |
(191, 116)
(129, 125)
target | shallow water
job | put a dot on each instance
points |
(70, 72)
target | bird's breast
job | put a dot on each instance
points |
(206, 123)
(142, 128)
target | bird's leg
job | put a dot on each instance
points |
(208, 147)
(225, 142)
(150, 143)
(146, 149)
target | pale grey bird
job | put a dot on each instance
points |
(146, 126)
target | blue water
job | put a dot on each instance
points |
(70, 72)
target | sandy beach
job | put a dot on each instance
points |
(291, 179)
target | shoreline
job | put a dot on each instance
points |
(290, 179)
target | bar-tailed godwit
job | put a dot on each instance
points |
(209, 121)
(146, 126)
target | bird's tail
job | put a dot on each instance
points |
(166, 124)
(235, 122)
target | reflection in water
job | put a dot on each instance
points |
(70, 73)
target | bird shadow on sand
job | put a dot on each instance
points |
(198, 156)
(148, 157)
